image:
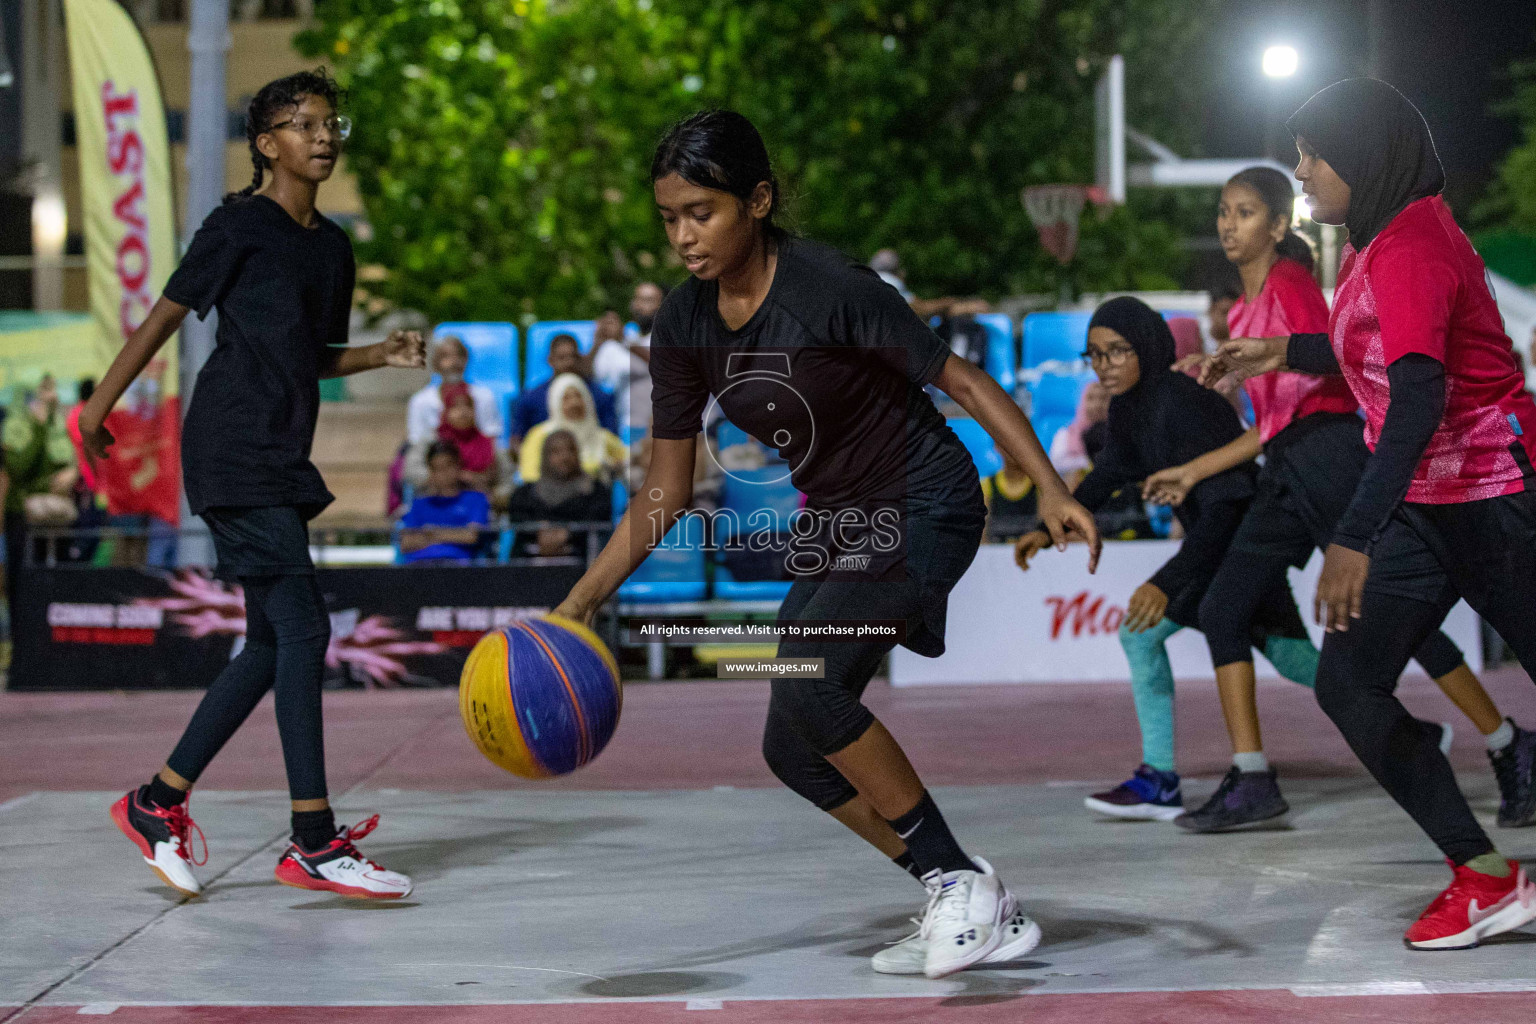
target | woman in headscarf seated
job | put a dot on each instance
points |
(602, 455)
(562, 493)
(483, 468)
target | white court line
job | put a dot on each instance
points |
(1364, 988)
(17, 801)
(510, 967)
(704, 1004)
(97, 1009)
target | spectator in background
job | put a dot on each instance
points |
(90, 507)
(1069, 448)
(623, 365)
(1224, 295)
(601, 453)
(449, 359)
(887, 263)
(1013, 507)
(481, 467)
(563, 492)
(40, 466)
(445, 520)
(533, 407)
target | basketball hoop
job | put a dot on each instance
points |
(1054, 210)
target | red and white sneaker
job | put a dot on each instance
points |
(341, 869)
(163, 836)
(1474, 907)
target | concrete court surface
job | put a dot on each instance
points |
(652, 894)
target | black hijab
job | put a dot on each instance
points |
(1378, 143)
(1166, 419)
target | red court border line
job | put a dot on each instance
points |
(1248, 1006)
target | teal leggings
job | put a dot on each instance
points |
(1152, 681)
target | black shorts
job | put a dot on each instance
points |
(939, 547)
(266, 540)
(1311, 471)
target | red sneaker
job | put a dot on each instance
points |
(1473, 907)
(164, 836)
(338, 867)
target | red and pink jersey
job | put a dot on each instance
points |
(1420, 287)
(1289, 303)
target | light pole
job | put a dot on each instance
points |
(1279, 63)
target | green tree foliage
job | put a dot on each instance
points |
(503, 146)
(1511, 200)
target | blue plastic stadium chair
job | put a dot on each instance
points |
(728, 588)
(1001, 358)
(1056, 337)
(979, 443)
(728, 434)
(1170, 314)
(536, 350)
(1057, 394)
(673, 571)
(492, 358)
(1046, 427)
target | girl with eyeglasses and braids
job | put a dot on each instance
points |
(281, 276)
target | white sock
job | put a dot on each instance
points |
(1501, 737)
(1251, 761)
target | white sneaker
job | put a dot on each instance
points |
(341, 869)
(964, 919)
(909, 955)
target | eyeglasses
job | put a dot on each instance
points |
(1114, 356)
(340, 126)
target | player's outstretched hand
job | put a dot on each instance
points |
(95, 439)
(1028, 546)
(1168, 486)
(1340, 588)
(1242, 358)
(1145, 608)
(1063, 517)
(1190, 362)
(405, 348)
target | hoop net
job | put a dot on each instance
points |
(1054, 210)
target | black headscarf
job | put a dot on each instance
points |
(1166, 419)
(1378, 143)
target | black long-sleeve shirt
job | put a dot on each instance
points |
(1416, 386)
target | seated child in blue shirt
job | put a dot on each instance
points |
(444, 521)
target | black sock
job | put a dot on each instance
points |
(314, 829)
(163, 795)
(907, 864)
(929, 841)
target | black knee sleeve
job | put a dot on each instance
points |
(1226, 629)
(800, 768)
(1439, 655)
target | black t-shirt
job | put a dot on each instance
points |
(284, 295)
(829, 371)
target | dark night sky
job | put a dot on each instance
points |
(1450, 57)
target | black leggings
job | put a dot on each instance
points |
(1233, 602)
(1488, 550)
(287, 631)
(811, 718)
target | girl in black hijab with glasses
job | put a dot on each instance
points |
(1446, 506)
(1160, 418)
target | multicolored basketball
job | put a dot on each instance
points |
(540, 697)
